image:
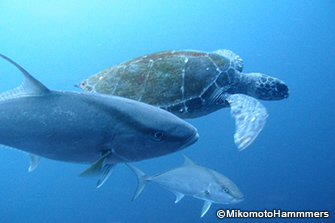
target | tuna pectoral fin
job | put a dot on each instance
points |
(250, 117)
(34, 160)
(205, 208)
(101, 169)
(142, 180)
(105, 172)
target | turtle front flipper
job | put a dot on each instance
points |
(250, 116)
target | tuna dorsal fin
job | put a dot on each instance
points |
(205, 208)
(30, 85)
(34, 161)
(187, 161)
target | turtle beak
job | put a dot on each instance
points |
(283, 89)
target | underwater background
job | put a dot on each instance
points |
(290, 165)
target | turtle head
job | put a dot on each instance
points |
(83, 85)
(265, 87)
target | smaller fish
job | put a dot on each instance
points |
(195, 181)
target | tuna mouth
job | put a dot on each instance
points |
(190, 140)
(237, 200)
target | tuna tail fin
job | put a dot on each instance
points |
(142, 180)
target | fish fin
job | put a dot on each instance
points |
(203, 194)
(187, 161)
(34, 161)
(179, 196)
(105, 172)
(96, 168)
(142, 180)
(99, 168)
(30, 85)
(250, 116)
(93, 170)
(205, 208)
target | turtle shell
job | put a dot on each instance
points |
(186, 82)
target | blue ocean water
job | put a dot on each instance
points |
(288, 167)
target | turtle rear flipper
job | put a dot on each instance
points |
(250, 116)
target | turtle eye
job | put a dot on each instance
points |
(159, 136)
(82, 83)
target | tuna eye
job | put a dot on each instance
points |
(225, 189)
(159, 136)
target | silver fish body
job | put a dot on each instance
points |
(87, 128)
(77, 127)
(193, 180)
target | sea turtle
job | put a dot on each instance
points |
(191, 84)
